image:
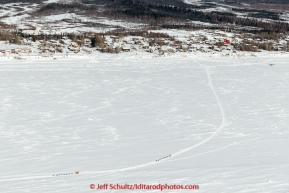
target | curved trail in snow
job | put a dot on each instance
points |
(222, 112)
(183, 150)
(13, 178)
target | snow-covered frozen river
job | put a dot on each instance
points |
(223, 120)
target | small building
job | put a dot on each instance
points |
(126, 48)
(145, 46)
(23, 50)
(14, 49)
(167, 49)
(74, 44)
(87, 50)
(227, 42)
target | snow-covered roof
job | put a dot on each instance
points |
(164, 48)
(126, 47)
(67, 41)
(116, 45)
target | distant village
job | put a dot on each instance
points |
(207, 41)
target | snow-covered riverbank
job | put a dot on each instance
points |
(140, 55)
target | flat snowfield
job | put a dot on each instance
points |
(116, 120)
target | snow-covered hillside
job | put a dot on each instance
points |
(224, 122)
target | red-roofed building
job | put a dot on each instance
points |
(227, 42)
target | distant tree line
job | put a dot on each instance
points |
(11, 37)
(157, 14)
(259, 13)
(141, 10)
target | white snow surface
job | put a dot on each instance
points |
(192, 1)
(224, 120)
